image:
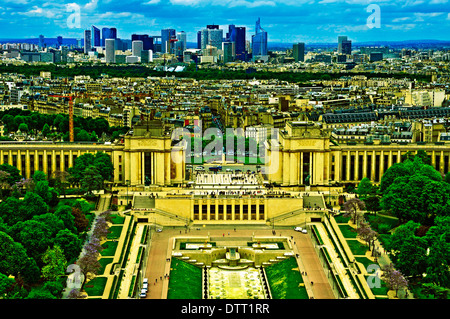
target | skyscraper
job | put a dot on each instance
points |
(59, 41)
(166, 36)
(41, 41)
(228, 51)
(212, 36)
(259, 41)
(147, 41)
(108, 33)
(95, 36)
(237, 35)
(298, 52)
(344, 45)
(136, 48)
(110, 45)
(181, 43)
(87, 41)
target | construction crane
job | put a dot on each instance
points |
(71, 135)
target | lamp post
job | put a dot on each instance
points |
(128, 184)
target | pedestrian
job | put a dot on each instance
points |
(312, 283)
(160, 277)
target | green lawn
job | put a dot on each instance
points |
(357, 248)
(285, 280)
(114, 232)
(379, 287)
(341, 219)
(347, 231)
(185, 281)
(109, 248)
(116, 219)
(96, 286)
(104, 262)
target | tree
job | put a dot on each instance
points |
(69, 243)
(409, 167)
(61, 181)
(81, 222)
(438, 253)
(32, 205)
(408, 250)
(64, 213)
(92, 179)
(6, 284)
(14, 173)
(46, 130)
(364, 188)
(353, 208)
(35, 237)
(417, 197)
(55, 263)
(393, 278)
(101, 228)
(39, 176)
(23, 127)
(14, 259)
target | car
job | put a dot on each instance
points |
(304, 231)
(145, 286)
(143, 293)
(159, 230)
(229, 170)
(199, 168)
(145, 281)
(299, 229)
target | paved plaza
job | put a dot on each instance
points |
(158, 265)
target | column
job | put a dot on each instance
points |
(293, 169)
(381, 165)
(27, 164)
(348, 165)
(372, 177)
(301, 181)
(356, 168)
(365, 164)
(19, 163)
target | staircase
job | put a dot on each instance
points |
(141, 202)
(313, 201)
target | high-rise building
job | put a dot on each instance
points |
(181, 43)
(108, 33)
(110, 50)
(136, 48)
(228, 49)
(95, 36)
(298, 52)
(41, 42)
(344, 45)
(166, 36)
(59, 41)
(237, 35)
(87, 41)
(199, 39)
(147, 41)
(259, 41)
(64, 53)
(211, 36)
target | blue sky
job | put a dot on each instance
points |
(307, 21)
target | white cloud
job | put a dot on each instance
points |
(152, 2)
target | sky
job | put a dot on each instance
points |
(289, 21)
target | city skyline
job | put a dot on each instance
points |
(285, 21)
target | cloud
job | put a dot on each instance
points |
(152, 2)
